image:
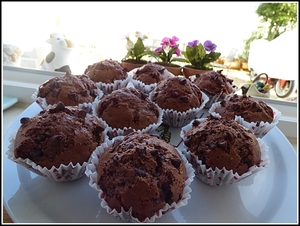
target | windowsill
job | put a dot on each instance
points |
(23, 82)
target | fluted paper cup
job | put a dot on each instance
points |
(92, 174)
(221, 177)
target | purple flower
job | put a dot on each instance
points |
(177, 52)
(193, 43)
(173, 41)
(165, 42)
(209, 46)
(158, 50)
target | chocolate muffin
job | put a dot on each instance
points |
(250, 109)
(254, 114)
(151, 73)
(177, 93)
(142, 172)
(222, 143)
(106, 71)
(222, 151)
(72, 90)
(58, 136)
(215, 85)
(128, 108)
(180, 99)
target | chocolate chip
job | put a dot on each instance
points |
(184, 99)
(130, 146)
(84, 93)
(114, 101)
(228, 136)
(253, 105)
(144, 96)
(154, 152)
(56, 140)
(187, 142)
(235, 107)
(196, 123)
(212, 146)
(72, 96)
(140, 172)
(82, 113)
(54, 84)
(182, 81)
(175, 94)
(59, 107)
(213, 77)
(24, 121)
(222, 144)
(223, 103)
(116, 158)
(160, 158)
(176, 162)
(86, 143)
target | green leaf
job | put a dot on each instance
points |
(179, 59)
(139, 47)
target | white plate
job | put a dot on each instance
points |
(268, 196)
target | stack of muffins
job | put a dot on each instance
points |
(102, 124)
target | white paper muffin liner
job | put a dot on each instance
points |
(221, 177)
(92, 174)
(42, 102)
(142, 86)
(114, 132)
(260, 130)
(178, 119)
(109, 87)
(64, 173)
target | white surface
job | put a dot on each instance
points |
(268, 196)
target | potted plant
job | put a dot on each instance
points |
(199, 57)
(135, 52)
(164, 55)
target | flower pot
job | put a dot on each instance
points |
(174, 70)
(245, 66)
(187, 71)
(130, 66)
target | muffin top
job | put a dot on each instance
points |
(143, 172)
(219, 142)
(214, 82)
(69, 89)
(106, 71)
(127, 107)
(250, 109)
(58, 135)
(177, 93)
(151, 73)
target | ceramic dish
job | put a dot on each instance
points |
(268, 197)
